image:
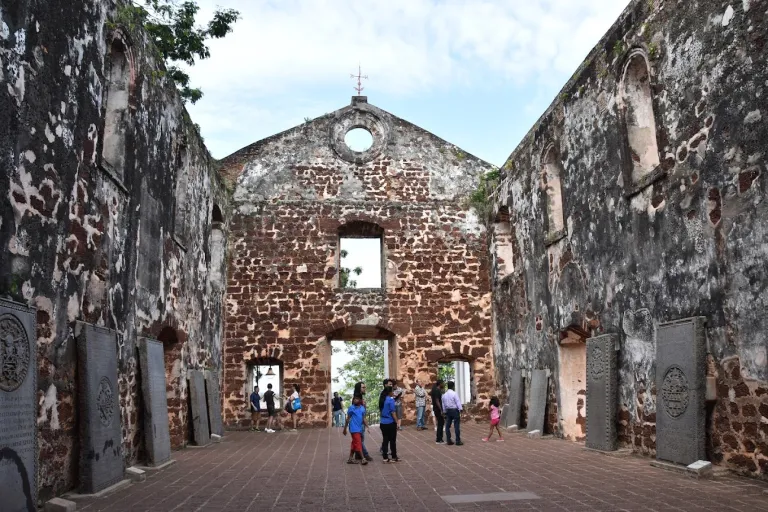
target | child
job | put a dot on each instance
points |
(495, 418)
(356, 423)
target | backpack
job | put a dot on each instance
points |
(296, 405)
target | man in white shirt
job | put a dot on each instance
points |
(452, 411)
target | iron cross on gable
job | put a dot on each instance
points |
(359, 77)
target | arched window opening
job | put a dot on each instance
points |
(117, 115)
(551, 180)
(180, 209)
(639, 118)
(501, 244)
(216, 215)
(361, 258)
(218, 250)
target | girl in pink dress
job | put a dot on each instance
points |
(495, 418)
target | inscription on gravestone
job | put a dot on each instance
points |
(199, 408)
(214, 402)
(602, 379)
(18, 408)
(681, 387)
(156, 432)
(538, 400)
(516, 398)
(101, 453)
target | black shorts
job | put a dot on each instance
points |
(271, 412)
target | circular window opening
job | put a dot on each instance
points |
(359, 139)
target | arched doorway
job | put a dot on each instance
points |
(361, 364)
(173, 369)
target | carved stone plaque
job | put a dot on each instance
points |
(198, 408)
(156, 432)
(537, 401)
(214, 402)
(18, 408)
(602, 386)
(680, 391)
(516, 398)
(101, 442)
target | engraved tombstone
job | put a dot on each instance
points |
(198, 408)
(156, 433)
(602, 379)
(515, 398)
(214, 402)
(101, 455)
(538, 400)
(680, 391)
(18, 408)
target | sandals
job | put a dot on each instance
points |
(353, 461)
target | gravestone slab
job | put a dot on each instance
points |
(602, 388)
(516, 398)
(157, 436)
(198, 408)
(681, 350)
(213, 394)
(18, 407)
(101, 441)
(538, 401)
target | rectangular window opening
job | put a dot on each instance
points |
(360, 263)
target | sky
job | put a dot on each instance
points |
(476, 73)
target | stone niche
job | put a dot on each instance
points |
(156, 430)
(602, 388)
(681, 351)
(18, 408)
(101, 442)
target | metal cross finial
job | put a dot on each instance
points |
(359, 77)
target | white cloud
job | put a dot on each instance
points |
(407, 47)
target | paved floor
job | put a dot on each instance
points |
(306, 471)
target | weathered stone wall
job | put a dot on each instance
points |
(82, 242)
(294, 191)
(652, 233)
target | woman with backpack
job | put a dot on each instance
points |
(293, 405)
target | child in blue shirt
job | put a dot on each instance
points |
(356, 423)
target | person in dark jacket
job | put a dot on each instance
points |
(436, 395)
(338, 410)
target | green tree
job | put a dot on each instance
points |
(345, 273)
(171, 25)
(366, 365)
(446, 371)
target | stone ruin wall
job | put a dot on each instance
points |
(689, 239)
(293, 193)
(70, 231)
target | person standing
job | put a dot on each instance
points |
(421, 405)
(360, 391)
(388, 426)
(452, 411)
(397, 393)
(338, 409)
(269, 399)
(255, 404)
(357, 425)
(293, 405)
(436, 395)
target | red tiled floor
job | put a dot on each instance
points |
(306, 471)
